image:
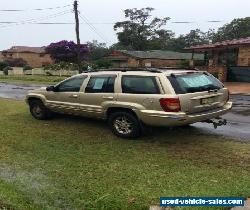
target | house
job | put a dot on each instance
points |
(34, 56)
(153, 58)
(230, 59)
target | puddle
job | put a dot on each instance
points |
(16, 91)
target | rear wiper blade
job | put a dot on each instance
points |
(213, 90)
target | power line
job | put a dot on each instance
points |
(184, 22)
(54, 23)
(95, 23)
(31, 21)
(37, 9)
(92, 27)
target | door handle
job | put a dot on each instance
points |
(108, 97)
(74, 96)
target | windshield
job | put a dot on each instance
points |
(190, 83)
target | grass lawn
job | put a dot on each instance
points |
(75, 163)
(28, 79)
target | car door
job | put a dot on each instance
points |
(98, 95)
(65, 98)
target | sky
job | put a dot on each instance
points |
(101, 15)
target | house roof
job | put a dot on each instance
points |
(162, 54)
(19, 49)
(227, 43)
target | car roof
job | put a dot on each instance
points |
(142, 71)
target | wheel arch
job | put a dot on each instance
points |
(111, 110)
(30, 98)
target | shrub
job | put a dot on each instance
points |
(15, 62)
(184, 64)
(199, 62)
(66, 51)
(62, 65)
(27, 67)
(3, 65)
(103, 63)
(48, 73)
(6, 70)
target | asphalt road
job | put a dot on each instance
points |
(238, 118)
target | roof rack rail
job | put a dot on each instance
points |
(125, 69)
(178, 68)
(149, 69)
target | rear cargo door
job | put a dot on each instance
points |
(199, 92)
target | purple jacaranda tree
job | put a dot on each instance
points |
(66, 51)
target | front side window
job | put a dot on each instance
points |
(139, 85)
(71, 85)
(101, 84)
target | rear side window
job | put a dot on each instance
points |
(101, 84)
(139, 85)
(191, 83)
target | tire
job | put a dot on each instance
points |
(39, 111)
(124, 125)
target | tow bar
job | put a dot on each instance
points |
(217, 122)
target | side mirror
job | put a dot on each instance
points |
(51, 88)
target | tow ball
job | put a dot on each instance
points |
(217, 122)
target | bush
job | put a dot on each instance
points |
(15, 62)
(27, 67)
(66, 51)
(103, 63)
(62, 65)
(199, 62)
(3, 65)
(88, 66)
(6, 70)
(184, 64)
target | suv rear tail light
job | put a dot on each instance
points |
(170, 104)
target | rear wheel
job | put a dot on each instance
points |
(39, 111)
(124, 124)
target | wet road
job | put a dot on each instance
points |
(238, 118)
(16, 91)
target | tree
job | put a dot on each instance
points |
(238, 28)
(141, 30)
(194, 37)
(97, 50)
(66, 51)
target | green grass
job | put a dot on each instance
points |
(28, 79)
(76, 163)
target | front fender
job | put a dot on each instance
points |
(35, 96)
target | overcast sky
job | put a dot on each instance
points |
(107, 11)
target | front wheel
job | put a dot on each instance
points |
(125, 125)
(39, 111)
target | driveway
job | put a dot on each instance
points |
(238, 118)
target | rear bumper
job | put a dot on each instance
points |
(160, 118)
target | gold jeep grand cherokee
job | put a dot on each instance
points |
(130, 99)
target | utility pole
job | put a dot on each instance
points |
(77, 35)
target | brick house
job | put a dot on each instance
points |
(153, 58)
(34, 56)
(230, 59)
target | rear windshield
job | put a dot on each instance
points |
(191, 83)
